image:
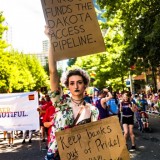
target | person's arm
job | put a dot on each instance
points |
(48, 124)
(54, 78)
(39, 109)
(120, 106)
(108, 97)
(105, 100)
(132, 106)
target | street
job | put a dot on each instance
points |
(147, 145)
(28, 151)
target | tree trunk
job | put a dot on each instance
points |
(154, 77)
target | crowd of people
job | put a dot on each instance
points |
(129, 108)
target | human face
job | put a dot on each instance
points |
(143, 115)
(125, 97)
(76, 86)
(96, 93)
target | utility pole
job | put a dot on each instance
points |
(131, 83)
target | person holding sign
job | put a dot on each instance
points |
(69, 111)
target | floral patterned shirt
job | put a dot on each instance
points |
(63, 117)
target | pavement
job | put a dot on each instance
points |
(28, 151)
(147, 145)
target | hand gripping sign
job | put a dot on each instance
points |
(101, 140)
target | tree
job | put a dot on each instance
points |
(103, 69)
(141, 28)
(20, 72)
(71, 61)
(111, 68)
(3, 28)
(38, 74)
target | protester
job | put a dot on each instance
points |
(127, 110)
(113, 104)
(48, 122)
(42, 110)
(95, 96)
(138, 113)
(10, 138)
(143, 102)
(156, 105)
(4, 135)
(101, 103)
(87, 98)
(25, 134)
(150, 102)
(70, 111)
(145, 121)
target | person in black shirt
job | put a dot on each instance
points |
(127, 109)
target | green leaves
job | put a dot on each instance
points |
(3, 28)
(139, 22)
(20, 72)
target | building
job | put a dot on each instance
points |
(45, 46)
(43, 58)
(8, 33)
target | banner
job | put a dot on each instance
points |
(75, 28)
(101, 140)
(18, 111)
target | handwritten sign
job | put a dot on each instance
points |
(101, 140)
(75, 29)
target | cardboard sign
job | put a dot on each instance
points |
(101, 140)
(75, 27)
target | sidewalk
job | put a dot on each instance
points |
(148, 144)
(28, 151)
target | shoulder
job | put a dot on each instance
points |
(103, 100)
(92, 107)
(56, 95)
(51, 109)
(121, 102)
(94, 112)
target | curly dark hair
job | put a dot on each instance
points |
(79, 72)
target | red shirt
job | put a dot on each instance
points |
(45, 107)
(42, 102)
(48, 117)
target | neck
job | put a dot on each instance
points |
(77, 98)
(77, 102)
